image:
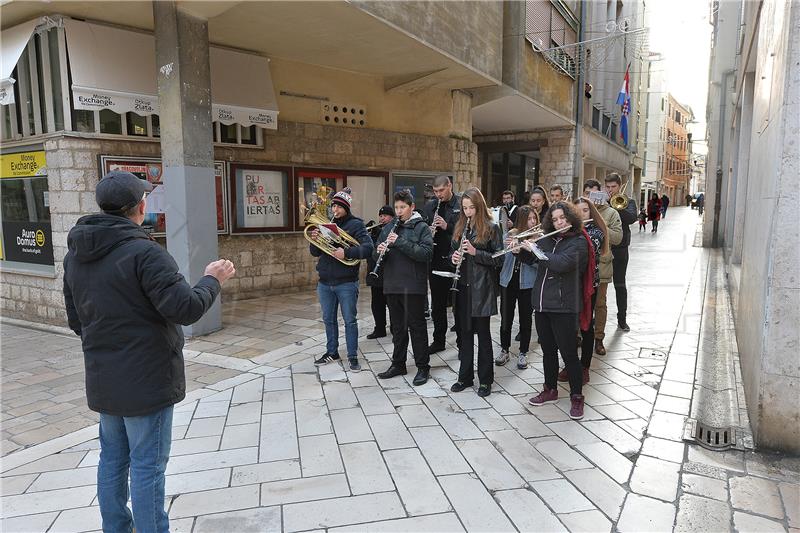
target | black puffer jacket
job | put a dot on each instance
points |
(125, 298)
(405, 263)
(449, 211)
(558, 281)
(331, 270)
(480, 274)
(628, 216)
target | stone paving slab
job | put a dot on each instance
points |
(265, 445)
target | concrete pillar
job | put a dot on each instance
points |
(740, 205)
(184, 93)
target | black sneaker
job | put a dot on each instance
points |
(516, 339)
(354, 366)
(458, 386)
(327, 358)
(435, 347)
(484, 390)
(377, 334)
(392, 371)
(422, 377)
(624, 326)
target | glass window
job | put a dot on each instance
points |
(420, 186)
(260, 198)
(315, 190)
(595, 118)
(227, 133)
(110, 122)
(249, 135)
(83, 120)
(55, 76)
(156, 122)
(137, 124)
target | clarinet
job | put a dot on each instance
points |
(457, 274)
(380, 256)
(435, 212)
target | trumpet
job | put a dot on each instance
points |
(379, 261)
(457, 273)
(619, 201)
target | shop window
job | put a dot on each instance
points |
(595, 118)
(261, 198)
(83, 120)
(228, 133)
(25, 208)
(136, 124)
(249, 135)
(155, 125)
(110, 122)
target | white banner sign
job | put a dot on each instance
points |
(7, 91)
(246, 116)
(263, 193)
(95, 99)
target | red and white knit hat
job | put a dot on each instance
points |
(343, 198)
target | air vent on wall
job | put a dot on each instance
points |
(335, 114)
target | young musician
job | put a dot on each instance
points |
(407, 247)
(557, 299)
(444, 220)
(556, 194)
(338, 282)
(378, 302)
(476, 299)
(539, 201)
(596, 231)
(516, 285)
(511, 209)
(620, 251)
(614, 237)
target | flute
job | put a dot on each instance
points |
(461, 254)
(520, 244)
(380, 255)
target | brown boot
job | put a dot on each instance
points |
(599, 349)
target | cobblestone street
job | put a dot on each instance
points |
(265, 441)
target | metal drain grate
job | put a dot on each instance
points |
(652, 353)
(711, 437)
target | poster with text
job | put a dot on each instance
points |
(261, 198)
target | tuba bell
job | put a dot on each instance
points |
(619, 201)
(327, 241)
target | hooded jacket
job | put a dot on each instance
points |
(405, 263)
(125, 298)
(558, 286)
(332, 271)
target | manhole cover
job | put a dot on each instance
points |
(710, 437)
(652, 353)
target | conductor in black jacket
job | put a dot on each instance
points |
(125, 298)
(443, 220)
(628, 216)
(407, 247)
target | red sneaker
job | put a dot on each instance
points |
(576, 410)
(548, 395)
(562, 376)
(585, 376)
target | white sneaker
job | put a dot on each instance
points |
(522, 361)
(502, 359)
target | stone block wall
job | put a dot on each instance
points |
(266, 264)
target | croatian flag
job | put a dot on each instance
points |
(624, 99)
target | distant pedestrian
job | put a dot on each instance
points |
(699, 202)
(654, 211)
(664, 205)
(642, 220)
(689, 200)
(126, 299)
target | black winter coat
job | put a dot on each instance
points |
(628, 216)
(125, 298)
(558, 287)
(449, 211)
(331, 270)
(480, 274)
(405, 263)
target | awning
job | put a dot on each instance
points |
(497, 109)
(13, 43)
(115, 69)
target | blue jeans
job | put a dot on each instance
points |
(330, 298)
(139, 444)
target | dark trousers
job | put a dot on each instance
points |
(440, 296)
(655, 224)
(620, 263)
(511, 297)
(557, 334)
(587, 338)
(379, 308)
(466, 352)
(407, 314)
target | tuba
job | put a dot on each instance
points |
(619, 201)
(327, 241)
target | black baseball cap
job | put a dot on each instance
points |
(119, 191)
(386, 210)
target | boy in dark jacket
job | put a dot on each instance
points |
(407, 246)
(338, 282)
(125, 298)
(375, 283)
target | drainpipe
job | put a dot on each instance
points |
(720, 150)
(577, 163)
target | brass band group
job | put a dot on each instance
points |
(549, 261)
